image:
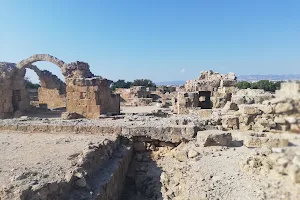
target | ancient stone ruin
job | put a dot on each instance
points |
(218, 142)
(210, 90)
(135, 96)
(83, 93)
(146, 96)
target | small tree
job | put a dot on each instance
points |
(143, 82)
(262, 84)
(120, 84)
(30, 85)
(243, 85)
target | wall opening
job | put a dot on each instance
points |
(204, 99)
(16, 98)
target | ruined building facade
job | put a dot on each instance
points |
(135, 96)
(84, 93)
(210, 90)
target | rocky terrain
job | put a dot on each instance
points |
(33, 163)
(192, 171)
(206, 140)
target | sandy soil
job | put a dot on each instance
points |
(35, 159)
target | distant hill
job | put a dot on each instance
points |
(175, 83)
(269, 77)
(249, 78)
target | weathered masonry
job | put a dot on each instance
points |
(84, 93)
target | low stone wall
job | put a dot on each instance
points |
(174, 134)
(114, 185)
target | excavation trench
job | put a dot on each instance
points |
(130, 172)
(111, 169)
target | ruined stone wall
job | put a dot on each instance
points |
(13, 94)
(52, 98)
(255, 109)
(87, 94)
(135, 96)
(186, 101)
(210, 81)
(91, 97)
(214, 90)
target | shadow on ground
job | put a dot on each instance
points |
(143, 179)
(45, 113)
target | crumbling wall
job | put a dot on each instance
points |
(52, 98)
(135, 96)
(253, 109)
(210, 81)
(186, 101)
(14, 96)
(87, 94)
(91, 97)
(251, 96)
(52, 91)
(214, 90)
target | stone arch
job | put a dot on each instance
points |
(40, 57)
(47, 79)
(72, 70)
(53, 90)
(35, 69)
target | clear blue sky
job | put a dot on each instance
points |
(163, 40)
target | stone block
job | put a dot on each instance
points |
(284, 108)
(249, 110)
(214, 138)
(260, 140)
(230, 122)
(267, 109)
(295, 128)
(279, 120)
(294, 173)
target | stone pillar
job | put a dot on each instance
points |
(91, 97)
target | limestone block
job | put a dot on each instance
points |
(203, 113)
(295, 128)
(279, 120)
(244, 127)
(246, 119)
(260, 140)
(267, 109)
(294, 173)
(230, 122)
(230, 106)
(249, 110)
(214, 138)
(284, 108)
(291, 119)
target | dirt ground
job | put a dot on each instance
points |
(186, 172)
(211, 173)
(32, 160)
